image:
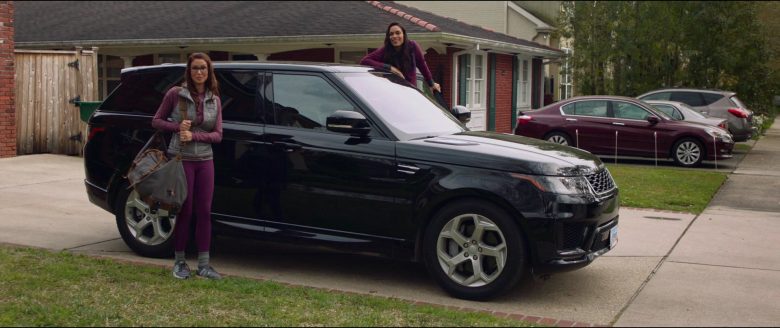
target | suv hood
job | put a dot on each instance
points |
(503, 152)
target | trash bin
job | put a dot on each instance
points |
(86, 108)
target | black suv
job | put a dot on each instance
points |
(351, 157)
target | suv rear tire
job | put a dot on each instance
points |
(146, 233)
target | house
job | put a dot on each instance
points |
(528, 20)
(477, 67)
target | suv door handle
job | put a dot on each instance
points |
(571, 119)
(287, 146)
(618, 123)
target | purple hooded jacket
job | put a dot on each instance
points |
(376, 60)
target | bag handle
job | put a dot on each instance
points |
(183, 111)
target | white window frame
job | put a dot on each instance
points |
(103, 79)
(566, 84)
(523, 82)
(475, 103)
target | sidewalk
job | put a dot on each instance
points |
(725, 269)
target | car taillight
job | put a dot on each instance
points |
(93, 131)
(738, 112)
(524, 119)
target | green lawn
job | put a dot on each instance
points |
(666, 188)
(41, 288)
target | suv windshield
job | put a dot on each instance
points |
(406, 111)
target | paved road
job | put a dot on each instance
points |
(668, 268)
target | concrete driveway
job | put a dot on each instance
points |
(43, 203)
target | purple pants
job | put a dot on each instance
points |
(200, 191)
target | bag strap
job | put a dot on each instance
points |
(183, 111)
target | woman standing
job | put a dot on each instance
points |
(194, 135)
(400, 56)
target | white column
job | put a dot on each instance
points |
(261, 57)
(128, 61)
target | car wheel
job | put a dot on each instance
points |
(474, 250)
(559, 138)
(688, 153)
(146, 232)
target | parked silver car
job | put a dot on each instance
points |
(714, 103)
(682, 112)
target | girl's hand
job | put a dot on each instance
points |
(436, 87)
(185, 125)
(396, 71)
(185, 136)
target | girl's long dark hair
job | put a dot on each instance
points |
(211, 81)
(401, 58)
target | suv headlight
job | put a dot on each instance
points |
(577, 185)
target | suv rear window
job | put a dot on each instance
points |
(710, 98)
(142, 92)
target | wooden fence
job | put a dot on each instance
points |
(49, 84)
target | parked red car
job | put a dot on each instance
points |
(611, 125)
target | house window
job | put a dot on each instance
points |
(243, 57)
(566, 80)
(471, 80)
(169, 58)
(109, 71)
(470, 84)
(523, 86)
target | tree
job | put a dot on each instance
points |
(630, 47)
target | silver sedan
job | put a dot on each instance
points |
(682, 112)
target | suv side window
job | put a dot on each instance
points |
(710, 98)
(689, 98)
(597, 108)
(628, 111)
(142, 92)
(305, 100)
(658, 96)
(237, 92)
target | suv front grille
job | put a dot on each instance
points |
(601, 182)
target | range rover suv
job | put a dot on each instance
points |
(358, 159)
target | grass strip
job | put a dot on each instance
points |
(681, 190)
(43, 288)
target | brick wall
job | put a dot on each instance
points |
(7, 109)
(441, 69)
(503, 93)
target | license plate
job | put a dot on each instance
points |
(613, 238)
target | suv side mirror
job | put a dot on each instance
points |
(461, 113)
(345, 121)
(653, 120)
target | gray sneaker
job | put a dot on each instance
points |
(181, 270)
(208, 272)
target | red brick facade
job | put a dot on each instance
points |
(441, 69)
(503, 92)
(7, 108)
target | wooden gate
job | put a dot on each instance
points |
(49, 85)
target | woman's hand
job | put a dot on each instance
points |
(185, 125)
(397, 71)
(436, 87)
(185, 136)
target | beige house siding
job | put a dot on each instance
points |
(546, 10)
(520, 27)
(480, 13)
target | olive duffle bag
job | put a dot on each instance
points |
(159, 181)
